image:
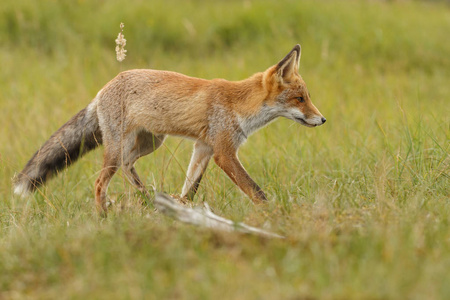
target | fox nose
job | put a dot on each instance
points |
(323, 120)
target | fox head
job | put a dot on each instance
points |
(288, 92)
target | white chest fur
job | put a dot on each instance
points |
(254, 122)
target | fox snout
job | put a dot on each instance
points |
(312, 122)
(309, 118)
(321, 121)
(313, 117)
(306, 119)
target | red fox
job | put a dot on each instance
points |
(133, 113)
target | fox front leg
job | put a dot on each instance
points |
(199, 161)
(229, 162)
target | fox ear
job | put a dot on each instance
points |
(289, 65)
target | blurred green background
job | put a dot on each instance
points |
(363, 200)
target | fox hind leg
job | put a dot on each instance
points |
(134, 147)
(141, 144)
(111, 164)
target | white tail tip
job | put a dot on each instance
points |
(21, 189)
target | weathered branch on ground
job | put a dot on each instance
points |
(203, 216)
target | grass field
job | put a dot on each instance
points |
(364, 201)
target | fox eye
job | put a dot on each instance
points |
(300, 99)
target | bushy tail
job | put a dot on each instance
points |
(75, 138)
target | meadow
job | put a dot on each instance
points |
(364, 200)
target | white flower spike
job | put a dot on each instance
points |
(121, 42)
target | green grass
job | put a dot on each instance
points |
(363, 200)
